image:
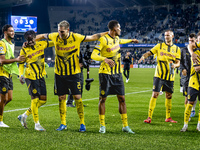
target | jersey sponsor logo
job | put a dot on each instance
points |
(65, 48)
(33, 54)
(112, 49)
(166, 54)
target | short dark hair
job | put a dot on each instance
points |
(112, 24)
(5, 27)
(192, 35)
(30, 32)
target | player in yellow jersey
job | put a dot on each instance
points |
(164, 76)
(67, 69)
(110, 73)
(193, 87)
(34, 76)
(7, 68)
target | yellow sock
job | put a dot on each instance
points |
(168, 105)
(63, 111)
(152, 105)
(102, 120)
(80, 110)
(40, 103)
(34, 108)
(1, 117)
(124, 120)
(187, 113)
(28, 112)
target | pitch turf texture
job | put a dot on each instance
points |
(157, 135)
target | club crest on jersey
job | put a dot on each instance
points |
(70, 41)
(98, 42)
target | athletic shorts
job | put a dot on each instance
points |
(6, 84)
(166, 85)
(126, 67)
(111, 84)
(185, 91)
(192, 94)
(65, 83)
(36, 87)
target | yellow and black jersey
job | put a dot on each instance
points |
(3, 50)
(109, 47)
(67, 53)
(35, 61)
(194, 76)
(165, 54)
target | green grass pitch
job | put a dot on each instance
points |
(157, 135)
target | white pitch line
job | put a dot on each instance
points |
(83, 100)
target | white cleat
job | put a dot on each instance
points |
(22, 119)
(127, 80)
(184, 129)
(102, 129)
(128, 130)
(198, 127)
(38, 127)
(3, 125)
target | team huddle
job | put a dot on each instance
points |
(68, 72)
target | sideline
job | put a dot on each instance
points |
(83, 100)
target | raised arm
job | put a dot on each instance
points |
(41, 36)
(94, 37)
(195, 57)
(144, 56)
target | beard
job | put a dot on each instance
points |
(10, 37)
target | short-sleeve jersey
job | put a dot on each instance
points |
(67, 53)
(165, 54)
(109, 47)
(3, 50)
(35, 61)
(195, 76)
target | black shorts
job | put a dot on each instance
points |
(185, 90)
(65, 83)
(192, 94)
(126, 67)
(166, 85)
(36, 87)
(6, 84)
(111, 84)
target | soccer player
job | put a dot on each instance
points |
(34, 76)
(193, 88)
(127, 61)
(164, 76)
(185, 66)
(67, 69)
(110, 74)
(8, 67)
